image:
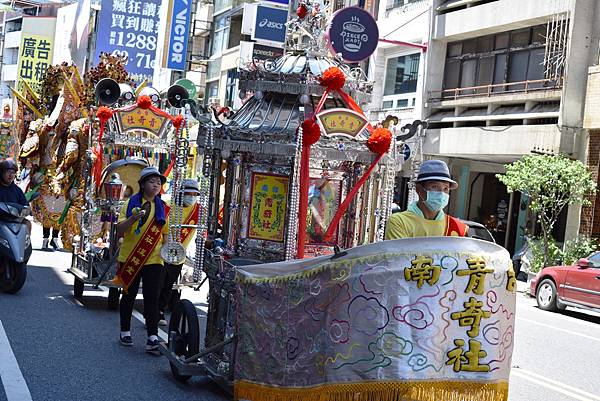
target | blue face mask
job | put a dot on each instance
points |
(436, 200)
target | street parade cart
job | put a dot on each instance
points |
(304, 301)
(130, 136)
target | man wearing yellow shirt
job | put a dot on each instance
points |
(426, 217)
(143, 225)
(190, 191)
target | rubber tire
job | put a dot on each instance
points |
(20, 273)
(114, 295)
(187, 342)
(78, 286)
(174, 299)
(552, 305)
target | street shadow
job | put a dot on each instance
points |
(576, 314)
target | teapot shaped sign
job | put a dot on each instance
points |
(353, 33)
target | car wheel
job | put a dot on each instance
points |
(546, 296)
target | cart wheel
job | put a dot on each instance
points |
(184, 334)
(113, 298)
(174, 299)
(78, 288)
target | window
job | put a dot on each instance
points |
(212, 90)
(214, 69)
(221, 5)
(232, 78)
(401, 75)
(399, 3)
(220, 35)
(507, 57)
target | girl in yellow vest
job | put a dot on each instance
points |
(143, 224)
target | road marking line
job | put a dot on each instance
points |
(559, 329)
(161, 333)
(554, 385)
(15, 386)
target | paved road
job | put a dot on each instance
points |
(52, 348)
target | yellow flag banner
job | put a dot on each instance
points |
(35, 56)
(423, 319)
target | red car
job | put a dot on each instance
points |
(557, 287)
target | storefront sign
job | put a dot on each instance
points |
(177, 37)
(353, 33)
(130, 29)
(270, 24)
(35, 53)
(342, 122)
(140, 119)
(268, 204)
(260, 52)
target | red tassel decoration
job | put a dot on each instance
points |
(144, 102)
(333, 79)
(380, 140)
(178, 121)
(302, 11)
(311, 132)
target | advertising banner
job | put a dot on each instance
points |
(269, 25)
(353, 33)
(415, 319)
(261, 52)
(178, 34)
(35, 52)
(130, 28)
(71, 40)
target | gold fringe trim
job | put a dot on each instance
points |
(378, 391)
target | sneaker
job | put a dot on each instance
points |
(126, 341)
(162, 320)
(54, 243)
(152, 347)
(45, 246)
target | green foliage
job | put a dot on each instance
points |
(538, 254)
(580, 247)
(551, 182)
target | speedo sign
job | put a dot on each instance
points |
(270, 24)
(178, 34)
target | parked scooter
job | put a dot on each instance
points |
(15, 246)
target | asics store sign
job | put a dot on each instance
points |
(270, 24)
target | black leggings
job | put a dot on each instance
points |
(47, 232)
(151, 275)
(170, 275)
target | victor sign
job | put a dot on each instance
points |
(270, 24)
(353, 33)
(177, 37)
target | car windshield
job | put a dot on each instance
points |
(595, 259)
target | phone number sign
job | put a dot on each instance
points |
(130, 28)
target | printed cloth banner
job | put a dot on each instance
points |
(424, 319)
(268, 202)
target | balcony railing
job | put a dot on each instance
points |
(496, 89)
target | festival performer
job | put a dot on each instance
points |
(190, 216)
(426, 217)
(143, 226)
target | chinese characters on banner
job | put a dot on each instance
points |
(130, 28)
(141, 119)
(427, 318)
(35, 56)
(268, 205)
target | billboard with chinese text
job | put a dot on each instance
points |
(35, 52)
(130, 28)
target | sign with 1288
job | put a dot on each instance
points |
(130, 28)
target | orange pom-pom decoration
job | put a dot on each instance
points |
(302, 11)
(380, 140)
(177, 121)
(104, 114)
(144, 102)
(333, 79)
(311, 132)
